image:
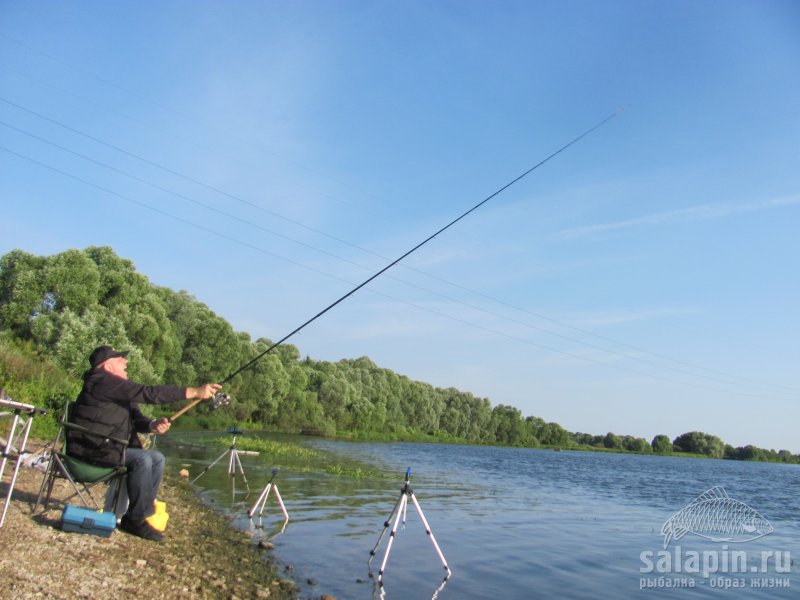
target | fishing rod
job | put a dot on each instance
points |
(258, 357)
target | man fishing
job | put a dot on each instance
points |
(109, 404)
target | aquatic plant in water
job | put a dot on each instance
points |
(301, 459)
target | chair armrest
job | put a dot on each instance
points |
(87, 431)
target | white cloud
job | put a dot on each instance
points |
(683, 215)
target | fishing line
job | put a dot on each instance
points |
(294, 262)
(417, 247)
(176, 173)
(174, 193)
(110, 83)
(758, 384)
(107, 82)
(164, 107)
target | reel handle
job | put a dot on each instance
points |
(219, 399)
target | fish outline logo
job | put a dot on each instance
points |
(716, 516)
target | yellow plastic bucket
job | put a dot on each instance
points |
(158, 520)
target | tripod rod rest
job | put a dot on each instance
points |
(406, 489)
(274, 473)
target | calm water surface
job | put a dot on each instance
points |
(512, 523)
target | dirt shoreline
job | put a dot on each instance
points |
(201, 556)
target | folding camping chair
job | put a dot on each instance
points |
(78, 473)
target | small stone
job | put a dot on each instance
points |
(266, 545)
(327, 597)
(311, 582)
(263, 593)
(141, 563)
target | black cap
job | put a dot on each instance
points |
(102, 353)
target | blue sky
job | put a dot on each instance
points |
(269, 156)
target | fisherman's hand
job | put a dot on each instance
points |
(160, 426)
(204, 392)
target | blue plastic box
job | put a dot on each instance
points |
(82, 520)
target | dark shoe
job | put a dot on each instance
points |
(140, 529)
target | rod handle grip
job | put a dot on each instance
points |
(189, 406)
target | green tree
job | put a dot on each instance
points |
(508, 425)
(336, 395)
(22, 292)
(698, 442)
(661, 444)
(71, 280)
(301, 413)
(535, 427)
(454, 421)
(480, 412)
(553, 434)
(263, 385)
(634, 444)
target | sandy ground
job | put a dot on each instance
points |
(201, 556)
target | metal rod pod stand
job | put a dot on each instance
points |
(233, 463)
(262, 500)
(399, 511)
(20, 425)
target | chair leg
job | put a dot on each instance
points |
(65, 474)
(86, 488)
(47, 482)
(116, 495)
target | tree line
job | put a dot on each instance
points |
(54, 310)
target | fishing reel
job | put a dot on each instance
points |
(219, 400)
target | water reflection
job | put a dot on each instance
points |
(379, 591)
(270, 531)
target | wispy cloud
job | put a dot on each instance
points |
(684, 215)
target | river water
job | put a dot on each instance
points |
(515, 523)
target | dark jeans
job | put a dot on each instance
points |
(145, 469)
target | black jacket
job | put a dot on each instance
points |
(109, 405)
